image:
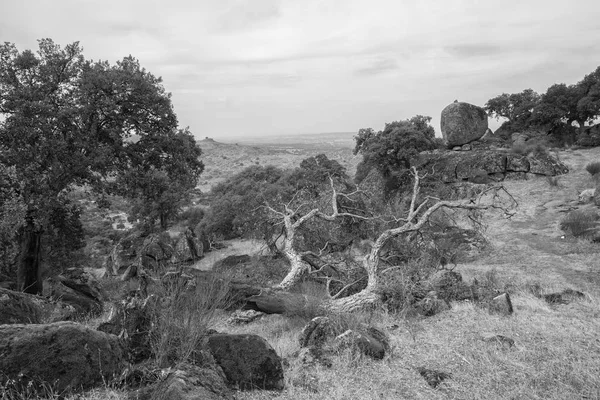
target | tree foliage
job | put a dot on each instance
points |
(239, 205)
(67, 121)
(559, 106)
(516, 107)
(161, 172)
(392, 148)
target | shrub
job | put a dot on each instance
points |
(192, 215)
(593, 168)
(582, 223)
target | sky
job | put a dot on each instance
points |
(240, 68)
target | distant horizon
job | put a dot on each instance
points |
(493, 124)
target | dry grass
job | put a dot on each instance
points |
(557, 347)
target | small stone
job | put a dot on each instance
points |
(431, 305)
(466, 147)
(244, 316)
(316, 332)
(501, 304)
(365, 343)
(433, 377)
(501, 340)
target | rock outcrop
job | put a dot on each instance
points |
(188, 248)
(67, 355)
(76, 288)
(487, 165)
(23, 308)
(463, 123)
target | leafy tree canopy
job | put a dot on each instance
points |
(391, 149)
(67, 121)
(516, 107)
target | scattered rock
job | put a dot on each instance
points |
(124, 254)
(316, 332)
(365, 343)
(188, 248)
(546, 164)
(248, 361)
(133, 320)
(587, 196)
(244, 316)
(314, 355)
(190, 382)
(430, 305)
(156, 252)
(565, 297)
(466, 147)
(433, 377)
(85, 297)
(501, 304)
(501, 340)
(463, 123)
(65, 353)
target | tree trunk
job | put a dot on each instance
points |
(361, 300)
(298, 267)
(28, 273)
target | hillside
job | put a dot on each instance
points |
(222, 160)
(556, 346)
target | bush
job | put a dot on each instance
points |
(593, 168)
(192, 215)
(582, 223)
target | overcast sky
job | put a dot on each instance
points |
(266, 67)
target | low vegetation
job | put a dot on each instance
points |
(391, 256)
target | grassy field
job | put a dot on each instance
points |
(557, 347)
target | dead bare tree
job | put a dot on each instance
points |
(418, 214)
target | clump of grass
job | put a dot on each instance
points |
(582, 223)
(27, 389)
(189, 311)
(593, 168)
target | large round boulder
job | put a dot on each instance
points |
(66, 355)
(463, 123)
(248, 361)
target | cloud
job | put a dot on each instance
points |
(378, 67)
(285, 66)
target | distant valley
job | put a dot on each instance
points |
(223, 159)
